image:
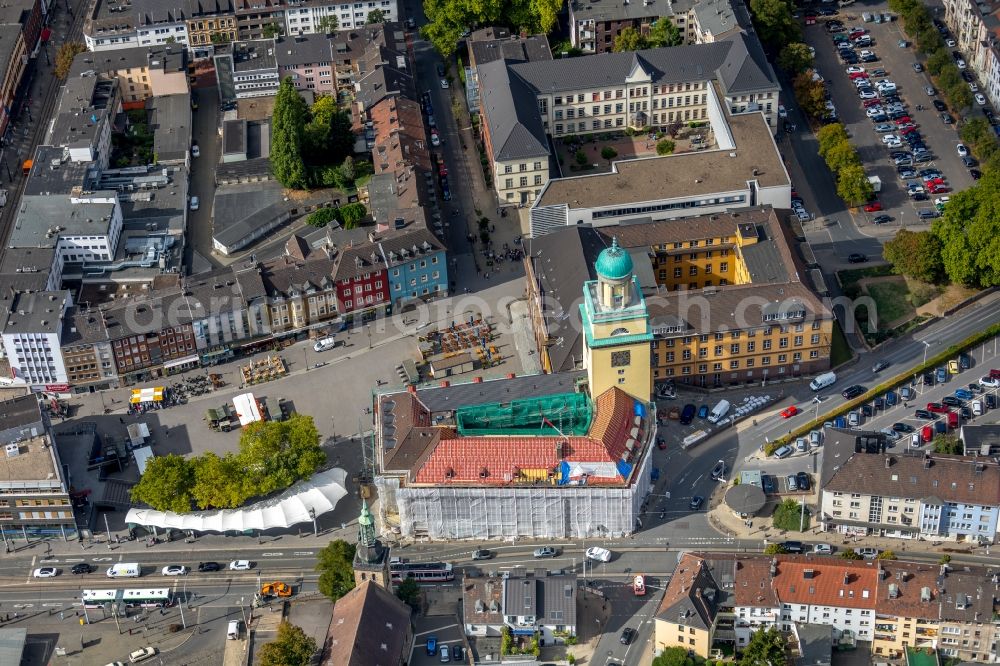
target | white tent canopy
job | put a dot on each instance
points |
(319, 494)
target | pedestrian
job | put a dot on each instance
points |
(121, 419)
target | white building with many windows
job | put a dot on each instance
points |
(31, 338)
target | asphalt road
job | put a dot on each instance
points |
(202, 180)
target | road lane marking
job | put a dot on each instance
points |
(272, 554)
(308, 552)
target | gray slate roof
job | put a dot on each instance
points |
(551, 598)
(444, 398)
(516, 129)
(170, 120)
(738, 66)
(303, 50)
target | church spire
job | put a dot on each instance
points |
(366, 527)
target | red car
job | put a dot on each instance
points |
(932, 182)
(858, 75)
(869, 103)
(789, 412)
(906, 129)
(442, 169)
(939, 189)
(936, 408)
(903, 121)
(873, 207)
(854, 34)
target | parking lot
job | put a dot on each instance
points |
(443, 630)
(894, 64)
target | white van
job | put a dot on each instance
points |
(822, 381)
(124, 570)
(977, 407)
(719, 411)
(324, 344)
(233, 632)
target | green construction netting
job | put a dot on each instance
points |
(565, 413)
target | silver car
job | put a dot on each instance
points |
(545, 551)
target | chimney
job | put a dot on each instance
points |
(847, 578)
(888, 462)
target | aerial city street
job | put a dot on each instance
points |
(586, 332)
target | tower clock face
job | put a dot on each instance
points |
(620, 359)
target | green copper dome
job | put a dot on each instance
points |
(614, 263)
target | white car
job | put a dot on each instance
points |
(240, 565)
(46, 572)
(980, 100)
(989, 382)
(195, 151)
(941, 201)
(973, 87)
(195, 203)
(960, 63)
(855, 69)
(962, 150)
(444, 83)
(874, 111)
(867, 93)
(599, 554)
(142, 655)
(174, 570)
(890, 138)
(782, 111)
(823, 549)
(950, 43)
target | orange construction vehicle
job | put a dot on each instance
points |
(276, 589)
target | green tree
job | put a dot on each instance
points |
(352, 214)
(291, 647)
(166, 484)
(766, 648)
(664, 33)
(215, 483)
(608, 153)
(64, 57)
(409, 592)
(327, 25)
(887, 555)
(841, 156)
(945, 559)
(375, 16)
(829, 136)
(673, 656)
(775, 23)
(271, 30)
(916, 254)
(853, 185)
(959, 96)
(949, 444)
(927, 39)
(795, 58)
(850, 554)
(288, 121)
(581, 158)
(969, 231)
(665, 147)
(811, 95)
(450, 20)
(335, 564)
(630, 39)
(977, 134)
(787, 516)
(774, 549)
(938, 61)
(321, 217)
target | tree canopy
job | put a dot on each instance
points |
(409, 592)
(288, 121)
(674, 656)
(335, 564)
(916, 254)
(811, 95)
(795, 58)
(64, 57)
(969, 231)
(853, 185)
(449, 20)
(775, 23)
(272, 456)
(375, 16)
(766, 648)
(291, 647)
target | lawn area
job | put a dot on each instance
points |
(789, 515)
(892, 300)
(840, 351)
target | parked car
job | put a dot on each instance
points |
(46, 572)
(204, 567)
(598, 554)
(789, 412)
(823, 549)
(852, 392)
(856, 258)
(174, 570)
(696, 502)
(868, 553)
(81, 568)
(545, 551)
(802, 479)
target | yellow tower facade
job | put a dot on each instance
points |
(617, 337)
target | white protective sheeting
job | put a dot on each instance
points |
(320, 494)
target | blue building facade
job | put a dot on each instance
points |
(417, 268)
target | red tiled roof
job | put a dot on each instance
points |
(497, 460)
(844, 583)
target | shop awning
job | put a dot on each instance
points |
(180, 361)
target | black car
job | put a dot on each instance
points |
(208, 566)
(966, 413)
(882, 219)
(952, 401)
(991, 401)
(923, 414)
(976, 174)
(939, 105)
(902, 427)
(793, 546)
(687, 414)
(879, 366)
(919, 196)
(440, 69)
(803, 480)
(767, 481)
(965, 73)
(628, 633)
(696, 502)
(82, 568)
(856, 258)
(852, 392)
(964, 361)
(928, 379)
(867, 410)
(878, 404)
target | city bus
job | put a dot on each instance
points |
(98, 598)
(423, 572)
(147, 598)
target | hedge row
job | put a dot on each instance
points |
(896, 381)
